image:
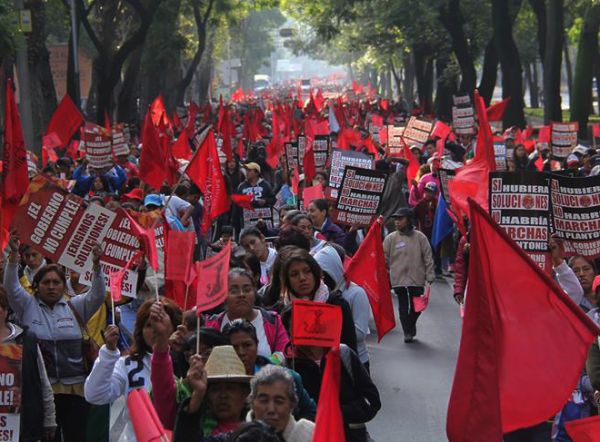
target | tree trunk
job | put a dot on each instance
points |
(43, 95)
(490, 72)
(539, 9)
(453, 20)
(597, 77)
(510, 63)
(584, 69)
(424, 77)
(72, 86)
(206, 70)
(446, 88)
(127, 108)
(569, 69)
(408, 85)
(397, 80)
(535, 97)
(552, 62)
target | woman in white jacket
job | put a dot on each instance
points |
(114, 375)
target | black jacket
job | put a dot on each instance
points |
(32, 409)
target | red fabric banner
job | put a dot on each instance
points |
(584, 430)
(180, 249)
(212, 280)
(152, 160)
(316, 323)
(329, 423)
(498, 386)
(367, 269)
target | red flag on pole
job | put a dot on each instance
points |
(181, 147)
(367, 269)
(158, 112)
(309, 162)
(152, 159)
(116, 278)
(243, 201)
(596, 130)
(205, 171)
(65, 121)
(496, 111)
(544, 134)
(147, 239)
(517, 319)
(190, 123)
(485, 139)
(212, 280)
(144, 419)
(180, 249)
(316, 323)
(329, 423)
(413, 165)
(15, 179)
(584, 430)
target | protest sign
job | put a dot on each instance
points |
(251, 217)
(417, 132)
(321, 151)
(359, 196)
(445, 176)
(564, 138)
(376, 132)
(339, 160)
(97, 144)
(312, 193)
(291, 155)
(301, 151)
(520, 203)
(463, 117)
(500, 156)
(316, 323)
(11, 356)
(212, 280)
(575, 209)
(395, 144)
(120, 140)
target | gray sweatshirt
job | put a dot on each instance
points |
(56, 328)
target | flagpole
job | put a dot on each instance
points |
(112, 302)
(197, 332)
(187, 291)
(156, 285)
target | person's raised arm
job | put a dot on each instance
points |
(18, 298)
(88, 304)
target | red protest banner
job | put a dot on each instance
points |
(11, 356)
(212, 280)
(316, 323)
(180, 249)
(97, 143)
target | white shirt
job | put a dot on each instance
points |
(265, 266)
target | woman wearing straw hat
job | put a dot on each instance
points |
(218, 402)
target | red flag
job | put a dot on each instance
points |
(177, 121)
(181, 147)
(329, 423)
(147, 240)
(308, 162)
(152, 160)
(319, 100)
(190, 123)
(243, 201)
(65, 121)
(116, 278)
(205, 171)
(180, 249)
(367, 269)
(485, 139)
(106, 122)
(238, 95)
(596, 130)
(240, 148)
(544, 134)
(377, 120)
(15, 179)
(539, 163)
(316, 323)
(312, 193)
(496, 111)
(584, 430)
(212, 280)
(158, 112)
(295, 181)
(517, 319)
(470, 181)
(413, 165)
(145, 420)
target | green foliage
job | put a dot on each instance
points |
(8, 29)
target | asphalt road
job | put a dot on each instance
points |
(414, 380)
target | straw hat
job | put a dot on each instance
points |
(225, 365)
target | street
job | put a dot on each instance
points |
(414, 380)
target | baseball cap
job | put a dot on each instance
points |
(153, 200)
(572, 160)
(135, 194)
(402, 212)
(431, 186)
(252, 166)
(580, 149)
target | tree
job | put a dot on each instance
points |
(587, 55)
(510, 62)
(553, 61)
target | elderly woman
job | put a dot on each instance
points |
(273, 399)
(59, 326)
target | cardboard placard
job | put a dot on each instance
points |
(417, 132)
(395, 143)
(251, 217)
(500, 156)
(520, 203)
(316, 323)
(339, 160)
(97, 145)
(120, 140)
(291, 155)
(11, 357)
(321, 151)
(564, 138)
(359, 196)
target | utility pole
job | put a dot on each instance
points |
(24, 85)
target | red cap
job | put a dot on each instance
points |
(135, 194)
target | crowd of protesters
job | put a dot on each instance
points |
(238, 376)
